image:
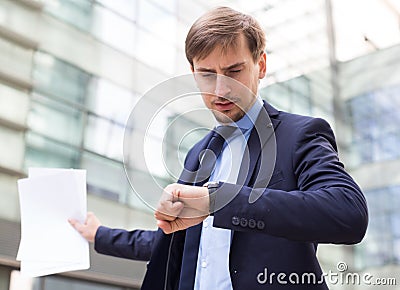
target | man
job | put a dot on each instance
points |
(259, 218)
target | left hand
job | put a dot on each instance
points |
(182, 206)
(88, 229)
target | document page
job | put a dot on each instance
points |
(49, 244)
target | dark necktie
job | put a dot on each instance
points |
(209, 156)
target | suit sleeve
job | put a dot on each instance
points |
(326, 207)
(135, 245)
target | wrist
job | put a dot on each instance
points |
(212, 187)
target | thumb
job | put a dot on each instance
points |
(165, 226)
(176, 208)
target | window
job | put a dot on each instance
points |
(75, 12)
(45, 152)
(59, 79)
(104, 137)
(127, 8)
(56, 120)
(113, 29)
(293, 95)
(146, 189)
(169, 5)
(77, 120)
(153, 51)
(374, 122)
(381, 245)
(158, 21)
(110, 101)
(181, 134)
(105, 177)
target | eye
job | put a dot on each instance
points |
(235, 71)
(208, 75)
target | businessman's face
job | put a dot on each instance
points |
(228, 80)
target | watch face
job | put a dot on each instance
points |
(213, 184)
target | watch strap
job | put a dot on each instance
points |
(212, 188)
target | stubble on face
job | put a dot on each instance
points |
(229, 116)
(230, 92)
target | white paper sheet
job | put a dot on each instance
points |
(49, 244)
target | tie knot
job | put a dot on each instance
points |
(219, 137)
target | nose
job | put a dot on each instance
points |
(222, 87)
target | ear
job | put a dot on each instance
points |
(262, 65)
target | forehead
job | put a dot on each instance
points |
(221, 57)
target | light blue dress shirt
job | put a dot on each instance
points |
(212, 270)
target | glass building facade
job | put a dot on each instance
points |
(71, 71)
(374, 122)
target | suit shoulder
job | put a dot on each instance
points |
(300, 128)
(298, 122)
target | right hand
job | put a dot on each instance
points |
(89, 228)
(182, 206)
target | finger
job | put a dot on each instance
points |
(73, 222)
(169, 210)
(165, 226)
(176, 208)
(190, 213)
(77, 225)
(176, 225)
(89, 216)
(171, 214)
(163, 217)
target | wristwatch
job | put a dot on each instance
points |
(212, 187)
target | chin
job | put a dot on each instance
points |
(229, 117)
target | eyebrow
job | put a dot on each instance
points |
(204, 69)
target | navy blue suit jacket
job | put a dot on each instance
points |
(305, 197)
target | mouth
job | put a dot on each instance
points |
(224, 105)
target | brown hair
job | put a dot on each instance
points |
(222, 26)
